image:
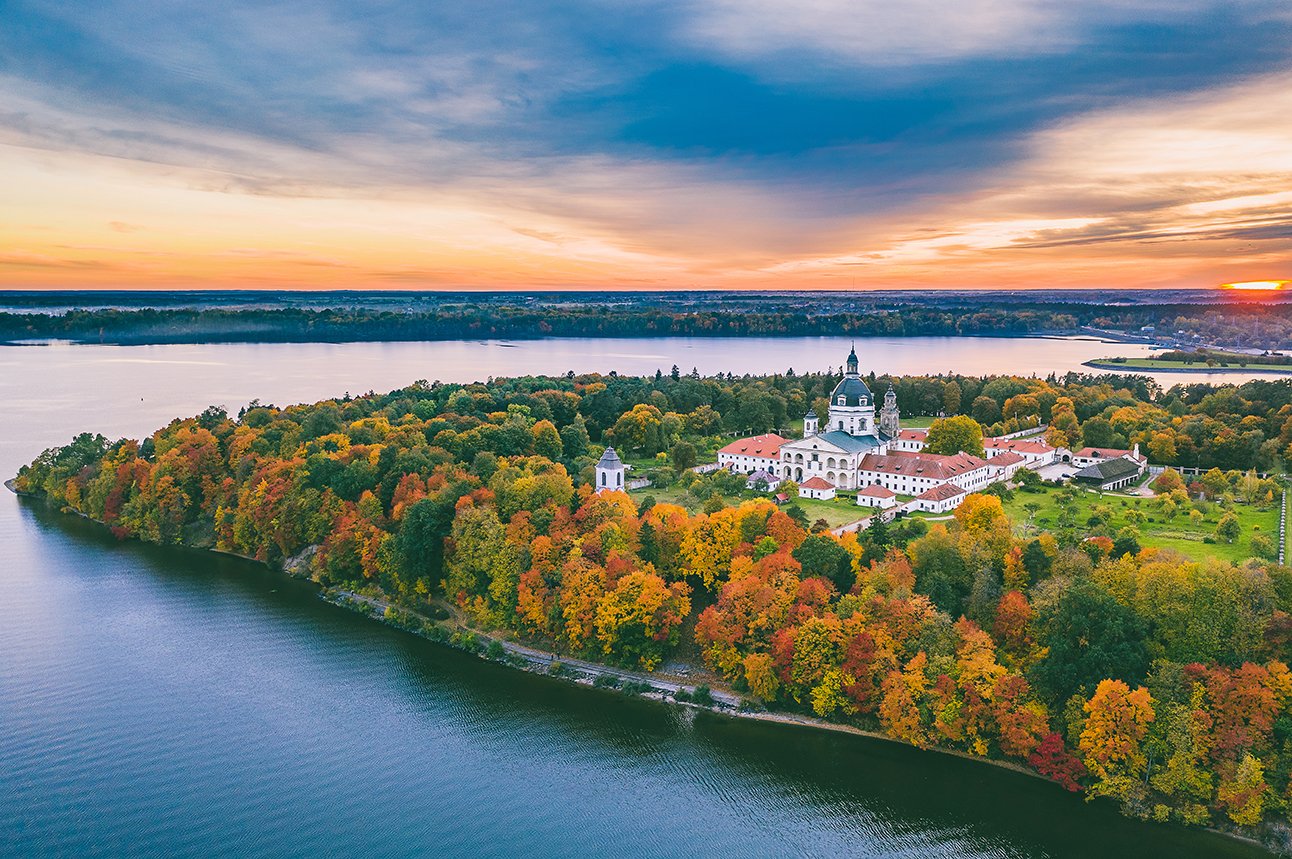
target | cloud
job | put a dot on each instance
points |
(1148, 192)
(884, 34)
(702, 143)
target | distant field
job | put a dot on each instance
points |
(1180, 533)
(1229, 363)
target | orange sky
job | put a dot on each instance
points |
(1184, 189)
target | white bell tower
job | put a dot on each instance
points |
(610, 472)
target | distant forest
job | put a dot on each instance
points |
(182, 318)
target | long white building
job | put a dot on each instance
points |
(858, 446)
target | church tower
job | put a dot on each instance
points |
(852, 409)
(610, 472)
(810, 425)
(890, 420)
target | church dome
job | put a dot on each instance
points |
(854, 392)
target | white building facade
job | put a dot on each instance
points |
(756, 453)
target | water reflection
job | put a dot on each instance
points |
(224, 683)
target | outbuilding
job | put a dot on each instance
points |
(940, 499)
(876, 496)
(1110, 474)
(816, 487)
(763, 481)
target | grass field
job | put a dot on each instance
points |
(1180, 533)
(1229, 362)
(839, 511)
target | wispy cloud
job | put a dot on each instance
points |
(1144, 193)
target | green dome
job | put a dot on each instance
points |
(854, 392)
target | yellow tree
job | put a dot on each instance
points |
(641, 616)
(706, 548)
(760, 676)
(902, 705)
(985, 532)
(1243, 794)
(1117, 719)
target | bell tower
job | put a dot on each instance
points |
(890, 420)
(810, 424)
(610, 472)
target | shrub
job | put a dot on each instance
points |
(1263, 547)
(703, 696)
(606, 681)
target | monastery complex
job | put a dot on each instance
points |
(861, 447)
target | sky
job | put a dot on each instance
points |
(688, 144)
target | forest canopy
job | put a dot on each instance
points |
(1128, 672)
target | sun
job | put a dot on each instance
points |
(1257, 285)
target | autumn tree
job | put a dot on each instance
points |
(954, 434)
(1117, 720)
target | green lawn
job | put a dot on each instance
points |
(839, 511)
(1180, 533)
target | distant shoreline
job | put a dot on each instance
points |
(506, 339)
(1165, 367)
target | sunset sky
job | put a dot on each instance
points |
(686, 144)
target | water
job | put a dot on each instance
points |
(164, 702)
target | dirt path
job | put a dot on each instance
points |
(669, 685)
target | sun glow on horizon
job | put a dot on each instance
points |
(1257, 285)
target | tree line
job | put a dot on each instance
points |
(1124, 672)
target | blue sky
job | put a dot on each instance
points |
(980, 143)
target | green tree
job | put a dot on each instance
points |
(940, 571)
(820, 555)
(683, 456)
(1228, 528)
(574, 438)
(1090, 637)
(1036, 560)
(955, 434)
(547, 441)
(484, 568)
(985, 410)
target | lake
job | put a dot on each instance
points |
(163, 702)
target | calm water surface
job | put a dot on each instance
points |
(160, 702)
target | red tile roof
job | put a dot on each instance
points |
(1007, 458)
(874, 490)
(941, 492)
(815, 483)
(931, 465)
(1017, 445)
(767, 446)
(915, 434)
